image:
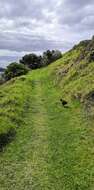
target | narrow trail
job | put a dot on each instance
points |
(40, 140)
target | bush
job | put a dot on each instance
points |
(6, 138)
(50, 56)
(2, 79)
(14, 70)
(91, 57)
(56, 54)
(32, 61)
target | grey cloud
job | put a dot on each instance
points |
(26, 8)
(78, 4)
(37, 25)
(19, 42)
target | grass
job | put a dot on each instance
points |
(53, 147)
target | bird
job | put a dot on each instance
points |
(64, 102)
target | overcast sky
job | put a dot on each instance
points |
(36, 25)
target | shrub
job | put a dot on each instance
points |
(2, 79)
(56, 54)
(32, 61)
(6, 138)
(91, 57)
(50, 56)
(14, 70)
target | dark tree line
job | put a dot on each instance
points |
(30, 62)
(34, 61)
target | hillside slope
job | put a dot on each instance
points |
(46, 146)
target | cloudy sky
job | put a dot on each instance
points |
(36, 25)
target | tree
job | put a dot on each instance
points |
(32, 61)
(50, 56)
(47, 57)
(56, 54)
(14, 70)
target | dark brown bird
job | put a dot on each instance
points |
(64, 102)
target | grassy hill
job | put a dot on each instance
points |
(42, 144)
